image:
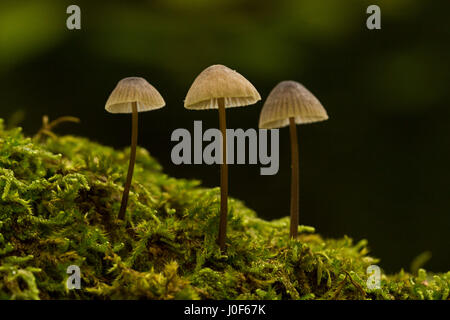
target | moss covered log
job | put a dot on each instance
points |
(59, 199)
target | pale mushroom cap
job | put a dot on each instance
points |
(290, 99)
(218, 81)
(134, 89)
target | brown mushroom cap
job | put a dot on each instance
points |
(218, 81)
(134, 89)
(290, 99)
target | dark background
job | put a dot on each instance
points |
(377, 169)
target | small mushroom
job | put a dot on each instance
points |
(290, 103)
(132, 95)
(218, 87)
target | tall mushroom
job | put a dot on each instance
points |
(290, 103)
(218, 87)
(132, 95)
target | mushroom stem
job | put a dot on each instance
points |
(134, 136)
(223, 176)
(294, 178)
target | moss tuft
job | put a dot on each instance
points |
(59, 199)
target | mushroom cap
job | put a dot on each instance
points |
(290, 99)
(134, 89)
(218, 81)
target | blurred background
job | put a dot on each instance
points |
(377, 169)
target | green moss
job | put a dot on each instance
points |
(58, 204)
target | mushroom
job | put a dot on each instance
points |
(290, 103)
(218, 87)
(132, 95)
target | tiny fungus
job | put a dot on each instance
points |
(218, 87)
(290, 103)
(132, 95)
